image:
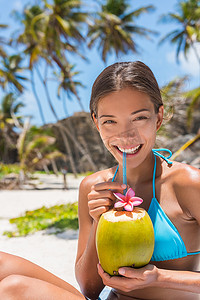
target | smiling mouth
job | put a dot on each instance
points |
(132, 150)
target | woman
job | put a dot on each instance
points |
(127, 109)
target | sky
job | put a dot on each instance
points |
(161, 59)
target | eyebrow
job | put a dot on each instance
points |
(106, 116)
(140, 110)
(133, 113)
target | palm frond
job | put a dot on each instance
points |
(54, 155)
(38, 143)
(169, 36)
(136, 13)
(64, 24)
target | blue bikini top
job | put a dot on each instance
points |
(168, 242)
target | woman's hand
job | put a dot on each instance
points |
(131, 278)
(101, 198)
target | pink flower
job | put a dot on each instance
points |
(127, 201)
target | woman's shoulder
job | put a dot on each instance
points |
(97, 177)
(183, 175)
(185, 181)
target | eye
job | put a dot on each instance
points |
(108, 122)
(140, 118)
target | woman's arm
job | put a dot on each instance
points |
(86, 262)
(151, 276)
(179, 280)
(187, 188)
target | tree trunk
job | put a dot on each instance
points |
(45, 167)
(36, 97)
(83, 142)
(195, 52)
(64, 129)
(67, 73)
(54, 166)
(47, 94)
(67, 147)
(81, 149)
(68, 150)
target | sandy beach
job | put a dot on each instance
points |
(56, 253)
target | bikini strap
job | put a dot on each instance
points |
(156, 153)
(193, 253)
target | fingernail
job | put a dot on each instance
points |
(121, 271)
(123, 186)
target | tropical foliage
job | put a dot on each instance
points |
(187, 34)
(114, 27)
(2, 41)
(59, 217)
(186, 37)
(35, 149)
(9, 110)
(6, 169)
(50, 33)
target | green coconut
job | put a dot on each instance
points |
(124, 239)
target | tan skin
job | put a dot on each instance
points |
(20, 279)
(177, 190)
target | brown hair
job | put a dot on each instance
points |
(120, 75)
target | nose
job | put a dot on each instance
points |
(126, 135)
(129, 136)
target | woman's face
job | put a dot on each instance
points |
(127, 122)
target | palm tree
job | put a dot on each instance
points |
(63, 27)
(10, 105)
(66, 86)
(114, 28)
(2, 41)
(35, 149)
(8, 117)
(187, 35)
(31, 37)
(10, 74)
(63, 21)
(49, 32)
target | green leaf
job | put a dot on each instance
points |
(64, 24)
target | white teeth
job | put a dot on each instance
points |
(130, 150)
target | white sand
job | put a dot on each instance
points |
(56, 253)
